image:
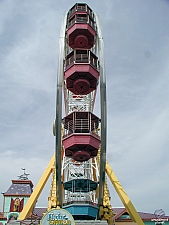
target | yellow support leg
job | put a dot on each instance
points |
(123, 196)
(37, 191)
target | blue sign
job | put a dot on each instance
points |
(12, 216)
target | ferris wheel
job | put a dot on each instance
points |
(78, 167)
(81, 155)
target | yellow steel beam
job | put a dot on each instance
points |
(123, 196)
(37, 191)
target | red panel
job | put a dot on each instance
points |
(81, 79)
(81, 139)
(82, 68)
(81, 26)
(21, 205)
(12, 205)
(81, 35)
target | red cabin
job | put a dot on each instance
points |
(81, 30)
(80, 140)
(81, 72)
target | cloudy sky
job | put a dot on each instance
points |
(136, 39)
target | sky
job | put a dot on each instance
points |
(136, 52)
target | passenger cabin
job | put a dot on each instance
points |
(81, 30)
(81, 72)
(80, 140)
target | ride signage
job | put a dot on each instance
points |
(57, 217)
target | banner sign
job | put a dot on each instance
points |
(57, 217)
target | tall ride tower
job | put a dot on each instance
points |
(79, 184)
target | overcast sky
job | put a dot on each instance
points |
(136, 39)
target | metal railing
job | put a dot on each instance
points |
(81, 19)
(80, 126)
(86, 57)
(81, 8)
